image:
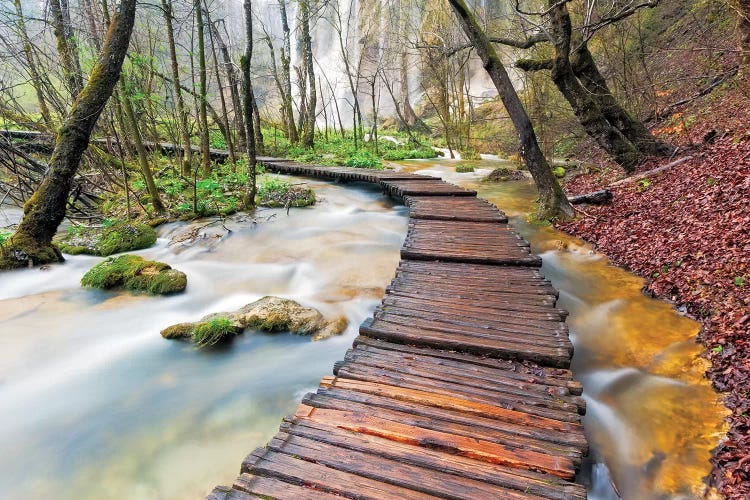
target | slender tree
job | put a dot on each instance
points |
(66, 45)
(248, 105)
(202, 90)
(182, 113)
(552, 200)
(31, 244)
(309, 132)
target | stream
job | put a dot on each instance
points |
(94, 404)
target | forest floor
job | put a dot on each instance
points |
(687, 231)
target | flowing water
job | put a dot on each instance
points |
(652, 417)
(94, 404)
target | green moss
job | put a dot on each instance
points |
(463, 168)
(208, 333)
(134, 273)
(118, 237)
(178, 331)
(559, 172)
(20, 251)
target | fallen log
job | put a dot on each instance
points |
(600, 197)
(635, 178)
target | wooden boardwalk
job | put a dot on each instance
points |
(458, 385)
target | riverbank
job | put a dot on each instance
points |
(686, 231)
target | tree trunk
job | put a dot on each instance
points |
(182, 114)
(32, 242)
(248, 105)
(286, 55)
(202, 90)
(134, 132)
(587, 111)
(66, 45)
(743, 28)
(552, 200)
(308, 140)
(234, 92)
(36, 80)
(588, 74)
(227, 125)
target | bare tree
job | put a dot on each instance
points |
(248, 98)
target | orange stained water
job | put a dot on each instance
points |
(652, 417)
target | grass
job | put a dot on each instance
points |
(211, 332)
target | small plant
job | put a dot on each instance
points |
(643, 185)
(211, 332)
(739, 281)
(464, 167)
(718, 349)
(363, 159)
(4, 236)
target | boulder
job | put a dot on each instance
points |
(270, 314)
(105, 241)
(504, 174)
(132, 272)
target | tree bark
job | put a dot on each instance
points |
(743, 29)
(202, 90)
(66, 45)
(227, 125)
(248, 105)
(32, 242)
(588, 74)
(286, 76)
(552, 200)
(587, 111)
(182, 114)
(308, 139)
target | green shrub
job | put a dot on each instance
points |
(364, 159)
(463, 168)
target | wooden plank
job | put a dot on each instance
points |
(385, 470)
(534, 483)
(321, 478)
(482, 345)
(552, 407)
(429, 414)
(569, 423)
(451, 361)
(477, 449)
(525, 367)
(266, 487)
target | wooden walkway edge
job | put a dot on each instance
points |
(457, 387)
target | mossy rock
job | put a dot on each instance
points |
(504, 174)
(117, 238)
(19, 251)
(559, 172)
(131, 272)
(269, 314)
(294, 196)
(464, 168)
